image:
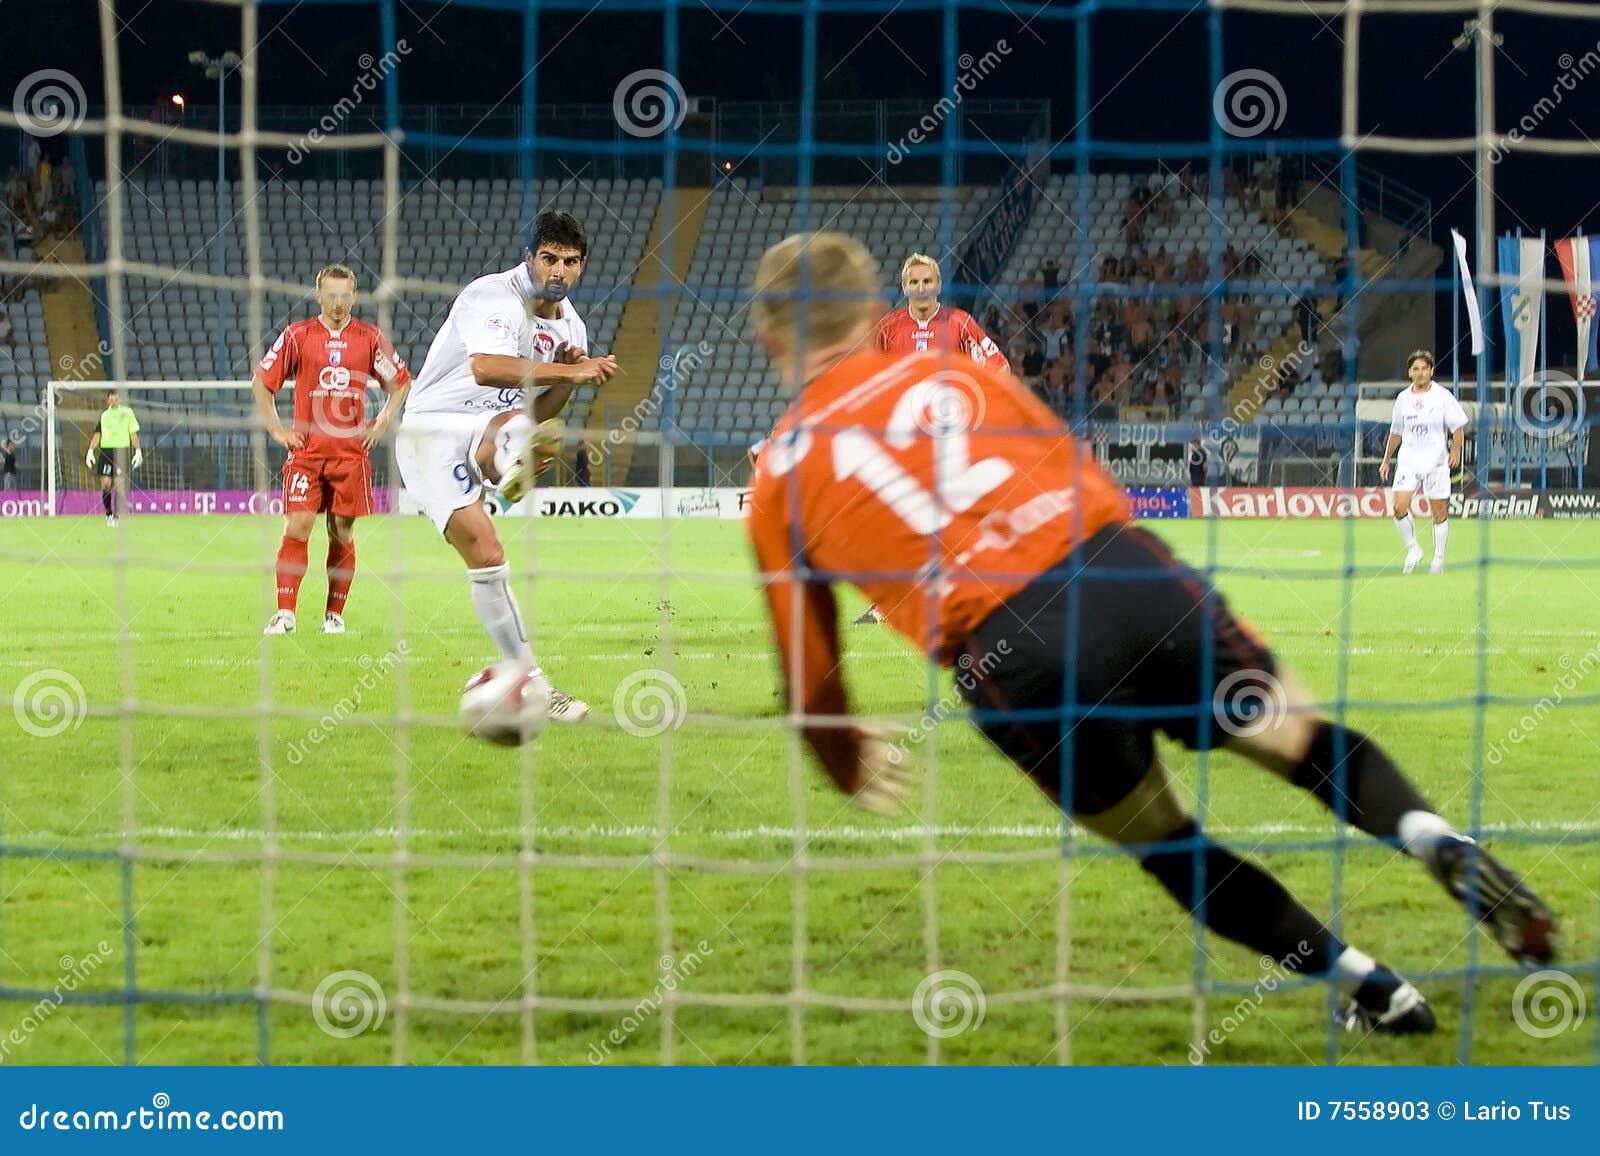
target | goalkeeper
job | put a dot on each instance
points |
(959, 504)
(116, 434)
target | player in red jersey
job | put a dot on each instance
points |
(332, 358)
(925, 325)
(996, 543)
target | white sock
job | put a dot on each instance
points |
(1408, 531)
(1352, 968)
(1441, 535)
(1419, 831)
(497, 610)
(510, 441)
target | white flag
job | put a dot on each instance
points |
(1474, 318)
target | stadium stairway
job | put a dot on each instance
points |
(69, 321)
(669, 252)
(72, 333)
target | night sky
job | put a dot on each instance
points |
(1149, 78)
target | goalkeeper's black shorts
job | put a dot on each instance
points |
(1072, 676)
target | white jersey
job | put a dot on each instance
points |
(1424, 423)
(493, 314)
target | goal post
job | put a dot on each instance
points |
(197, 437)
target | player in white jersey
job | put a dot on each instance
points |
(465, 426)
(1428, 429)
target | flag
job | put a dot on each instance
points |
(1576, 267)
(1521, 302)
(1474, 318)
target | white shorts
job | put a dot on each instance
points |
(435, 453)
(1434, 483)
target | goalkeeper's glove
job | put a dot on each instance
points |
(138, 456)
(884, 771)
(88, 460)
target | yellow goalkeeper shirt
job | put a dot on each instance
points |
(117, 427)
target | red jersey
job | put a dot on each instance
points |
(331, 374)
(948, 328)
(846, 489)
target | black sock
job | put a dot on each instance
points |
(105, 500)
(1366, 789)
(1241, 902)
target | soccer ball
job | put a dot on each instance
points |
(506, 704)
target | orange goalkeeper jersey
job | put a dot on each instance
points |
(939, 489)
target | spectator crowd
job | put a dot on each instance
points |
(1149, 349)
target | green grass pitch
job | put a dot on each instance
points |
(195, 592)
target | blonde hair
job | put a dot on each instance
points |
(837, 266)
(336, 270)
(919, 259)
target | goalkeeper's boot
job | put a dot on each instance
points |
(1388, 1004)
(871, 616)
(1436, 566)
(520, 457)
(333, 623)
(566, 709)
(1413, 556)
(1496, 897)
(280, 623)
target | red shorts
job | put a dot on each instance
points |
(340, 485)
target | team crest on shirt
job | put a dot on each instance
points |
(544, 344)
(335, 356)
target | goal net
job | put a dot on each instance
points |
(220, 847)
(203, 446)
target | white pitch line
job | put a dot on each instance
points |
(841, 834)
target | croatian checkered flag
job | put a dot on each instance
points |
(1578, 257)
